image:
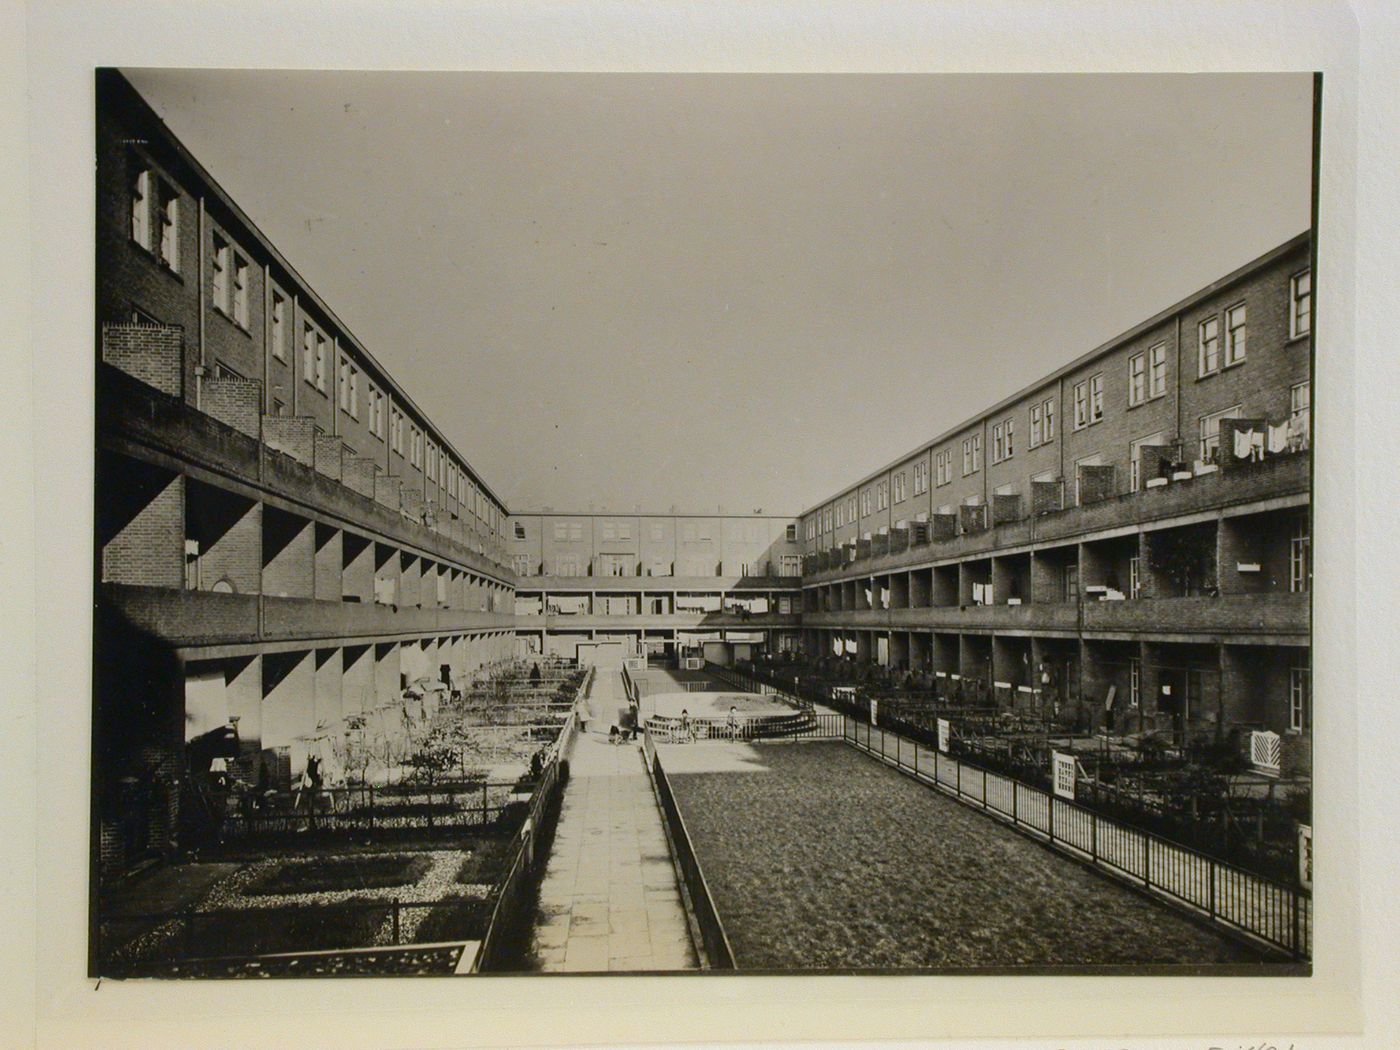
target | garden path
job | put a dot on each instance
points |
(609, 899)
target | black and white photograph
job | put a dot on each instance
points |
(703, 524)
(734, 524)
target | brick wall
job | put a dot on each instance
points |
(1096, 483)
(327, 454)
(1046, 497)
(149, 549)
(153, 354)
(386, 490)
(292, 435)
(236, 402)
(1005, 509)
(359, 474)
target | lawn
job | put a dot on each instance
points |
(829, 860)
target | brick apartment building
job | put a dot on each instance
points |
(1129, 534)
(284, 539)
(656, 583)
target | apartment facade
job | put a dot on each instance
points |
(1128, 536)
(284, 539)
(655, 583)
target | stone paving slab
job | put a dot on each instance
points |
(609, 901)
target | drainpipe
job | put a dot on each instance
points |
(199, 278)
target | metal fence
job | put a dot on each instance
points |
(719, 954)
(1278, 915)
(366, 809)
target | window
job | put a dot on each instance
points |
(1235, 335)
(920, 478)
(900, 484)
(851, 508)
(1071, 583)
(240, 290)
(1081, 405)
(1134, 681)
(1300, 308)
(561, 530)
(865, 503)
(519, 530)
(279, 326)
(882, 495)
(321, 362)
(1300, 408)
(168, 207)
(575, 531)
(396, 431)
(1210, 432)
(944, 462)
(141, 208)
(523, 564)
(1095, 398)
(219, 285)
(609, 529)
(308, 354)
(1157, 370)
(1037, 425)
(1300, 559)
(1135, 577)
(415, 446)
(1135, 458)
(431, 461)
(789, 565)
(1209, 334)
(972, 455)
(343, 385)
(791, 533)
(1299, 699)
(1003, 441)
(1137, 379)
(376, 412)
(1049, 406)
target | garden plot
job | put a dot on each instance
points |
(819, 858)
(335, 901)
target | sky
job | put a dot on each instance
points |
(739, 291)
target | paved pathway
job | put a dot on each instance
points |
(609, 899)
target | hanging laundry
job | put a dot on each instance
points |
(1278, 439)
(1256, 445)
(1242, 443)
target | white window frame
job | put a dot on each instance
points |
(1037, 425)
(1208, 346)
(1300, 558)
(141, 207)
(279, 325)
(219, 275)
(321, 361)
(1134, 681)
(1081, 404)
(1135, 576)
(1236, 335)
(972, 455)
(1300, 304)
(1157, 370)
(1299, 699)
(1300, 403)
(1214, 417)
(1096, 397)
(167, 242)
(308, 354)
(1049, 405)
(239, 291)
(1137, 378)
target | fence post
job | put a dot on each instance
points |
(1146, 859)
(1050, 810)
(1211, 873)
(1015, 803)
(1094, 837)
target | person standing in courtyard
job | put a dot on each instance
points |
(732, 723)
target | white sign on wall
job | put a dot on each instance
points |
(945, 731)
(874, 711)
(1062, 773)
(1305, 856)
